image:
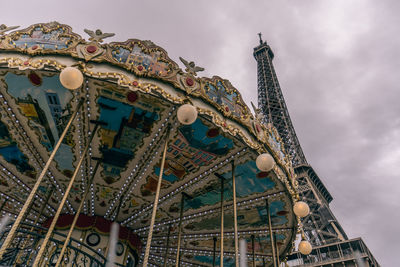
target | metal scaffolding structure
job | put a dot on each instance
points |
(320, 226)
(272, 104)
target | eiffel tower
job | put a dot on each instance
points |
(331, 246)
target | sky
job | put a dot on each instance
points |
(338, 65)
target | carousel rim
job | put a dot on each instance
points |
(216, 100)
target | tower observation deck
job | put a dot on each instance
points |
(320, 226)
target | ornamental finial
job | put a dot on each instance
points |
(4, 28)
(98, 35)
(191, 68)
(259, 35)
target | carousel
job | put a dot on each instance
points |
(112, 155)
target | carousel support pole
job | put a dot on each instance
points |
(271, 236)
(178, 252)
(11, 234)
(71, 229)
(46, 201)
(214, 250)
(66, 193)
(222, 220)
(235, 215)
(153, 215)
(276, 249)
(253, 251)
(167, 247)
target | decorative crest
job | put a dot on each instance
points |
(4, 28)
(258, 113)
(191, 68)
(98, 35)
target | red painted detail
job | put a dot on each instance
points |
(226, 109)
(35, 47)
(91, 49)
(135, 83)
(140, 68)
(98, 224)
(258, 128)
(212, 132)
(35, 79)
(132, 97)
(262, 174)
(26, 63)
(189, 81)
(282, 213)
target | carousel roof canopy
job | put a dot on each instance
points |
(131, 93)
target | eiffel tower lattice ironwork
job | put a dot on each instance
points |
(320, 226)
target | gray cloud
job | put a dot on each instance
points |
(337, 63)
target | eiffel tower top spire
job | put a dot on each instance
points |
(259, 35)
(272, 103)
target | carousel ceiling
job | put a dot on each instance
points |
(134, 89)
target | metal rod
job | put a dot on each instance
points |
(11, 234)
(36, 221)
(214, 250)
(46, 201)
(64, 199)
(277, 250)
(271, 237)
(72, 227)
(221, 263)
(235, 215)
(153, 215)
(253, 251)
(178, 254)
(167, 247)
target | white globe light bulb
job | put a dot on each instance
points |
(187, 114)
(301, 209)
(265, 162)
(71, 78)
(305, 247)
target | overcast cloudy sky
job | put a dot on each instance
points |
(338, 66)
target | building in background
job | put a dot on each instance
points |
(331, 246)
